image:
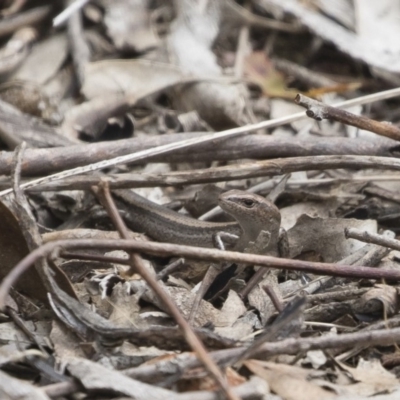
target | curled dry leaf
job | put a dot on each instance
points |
(65, 342)
(371, 378)
(91, 117)
(261, 301)
(325, 236)
(44, 61)
(291, 213)
(8, 334)
(14, 52)
(260, 70)
(381, 298)
(133, 78)
(289, 382)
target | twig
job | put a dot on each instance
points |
(380, 336)
(273, 297)
(208, 279)
(130, 182)
(336, 296)
(320, 111)
(254, 388)
(185, 144)
(254, 280)
(166, 249)
(65, 14)
(257, 147)
(94, 257)
(294, 346)
(27, 225)
(22, 325)
(368, 237)
(60, 389)
(170, 268)
(27, 18)
(228, 173)
(79, 48)
(305, 75)
(260, 21)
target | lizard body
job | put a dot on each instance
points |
(252, 212)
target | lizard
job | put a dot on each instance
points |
(254, 215)
(252, 212)
(256, 218)
(260, 221)
(165, 225)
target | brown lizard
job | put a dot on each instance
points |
(254, 215)
(252, 212)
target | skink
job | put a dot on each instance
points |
(253, 213)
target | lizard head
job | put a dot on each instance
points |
(253, 212)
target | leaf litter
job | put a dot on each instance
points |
(116, 77)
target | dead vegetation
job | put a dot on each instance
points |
(107, 295)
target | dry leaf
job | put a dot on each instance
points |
(260, 70)
(372, 378)
(291, 383)
(325, 236)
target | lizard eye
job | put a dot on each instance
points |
(249, 203)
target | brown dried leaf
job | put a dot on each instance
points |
(291, 213)
(386, 296)
(325, 236)
(45, 60)
(137, 78)
(16, 49)
(372, 378)
(288, 381)
(9, 333)
(261, 71)
(65, 342)
(91, 117)
(261, 301)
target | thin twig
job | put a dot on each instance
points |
(166, 249)
(273, 297)
(170, 268)
(320, 111)
(79, 48)
(374, 238)
(185, 144)
(228, 173)
(257, 147)
(376, 337)
(65, 14)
